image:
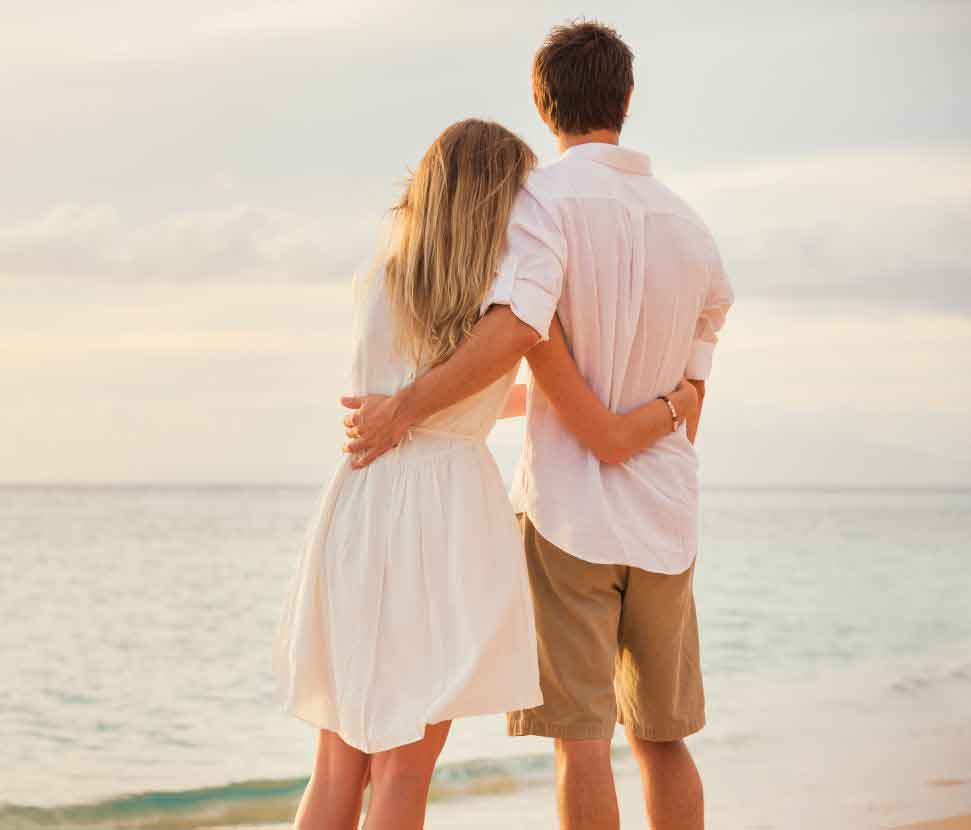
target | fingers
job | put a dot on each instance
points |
(352, 402)
(365, 459)
(365, 451)
(357, 445)
(351, 425)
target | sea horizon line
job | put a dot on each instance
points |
(175, 484)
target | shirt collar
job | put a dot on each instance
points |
(630, 161)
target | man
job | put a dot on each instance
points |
(639, 288)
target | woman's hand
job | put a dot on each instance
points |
(685, 400)
(638, 429)
(694, 417)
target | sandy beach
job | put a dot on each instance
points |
(528, 804)
(533, 808)
(844, 778)
(953, 823)
(529, 814)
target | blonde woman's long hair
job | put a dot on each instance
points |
(448, 235)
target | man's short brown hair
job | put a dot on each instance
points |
(581, 77)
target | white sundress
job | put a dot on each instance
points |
(410, 604)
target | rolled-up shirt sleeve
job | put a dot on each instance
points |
(717, 303)
(530, 276)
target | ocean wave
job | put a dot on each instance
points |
(245, 802)
(261, 802)
(916, 681)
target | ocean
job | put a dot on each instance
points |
(137, 625)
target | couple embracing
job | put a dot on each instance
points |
(423, 596)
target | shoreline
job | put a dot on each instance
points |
(962, 822)
(836, 769)
(524, 800)
(533, 805)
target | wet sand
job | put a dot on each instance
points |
(953, 823)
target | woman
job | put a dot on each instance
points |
(411, 604)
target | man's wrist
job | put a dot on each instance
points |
(619, 435)
(405, 415)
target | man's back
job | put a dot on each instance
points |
(638, 284)
(643, 295)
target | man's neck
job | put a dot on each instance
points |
(595, 137)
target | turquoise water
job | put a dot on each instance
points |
(138, 620)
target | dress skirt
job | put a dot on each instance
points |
(410, 604)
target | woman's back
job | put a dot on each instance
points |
(379, 367)
(387, 627)
(411, 604)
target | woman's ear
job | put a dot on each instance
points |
(630, 93)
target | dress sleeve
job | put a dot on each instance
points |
(717, 303)
(530, 275)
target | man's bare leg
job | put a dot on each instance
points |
(585, 793)
(672, 786)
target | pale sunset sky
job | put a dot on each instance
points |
(187, 188)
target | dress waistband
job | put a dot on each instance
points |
(443, 433)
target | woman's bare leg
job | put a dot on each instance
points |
(334, 794)
(400, 779)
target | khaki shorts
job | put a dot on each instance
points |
(616, 645)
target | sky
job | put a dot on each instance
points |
(187, 189)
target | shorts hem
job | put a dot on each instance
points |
(674, 732)
(519, 727)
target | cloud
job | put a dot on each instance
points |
(239, 242)
(186, 185)
(880, 228)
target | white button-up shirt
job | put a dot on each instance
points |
(639, 287)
